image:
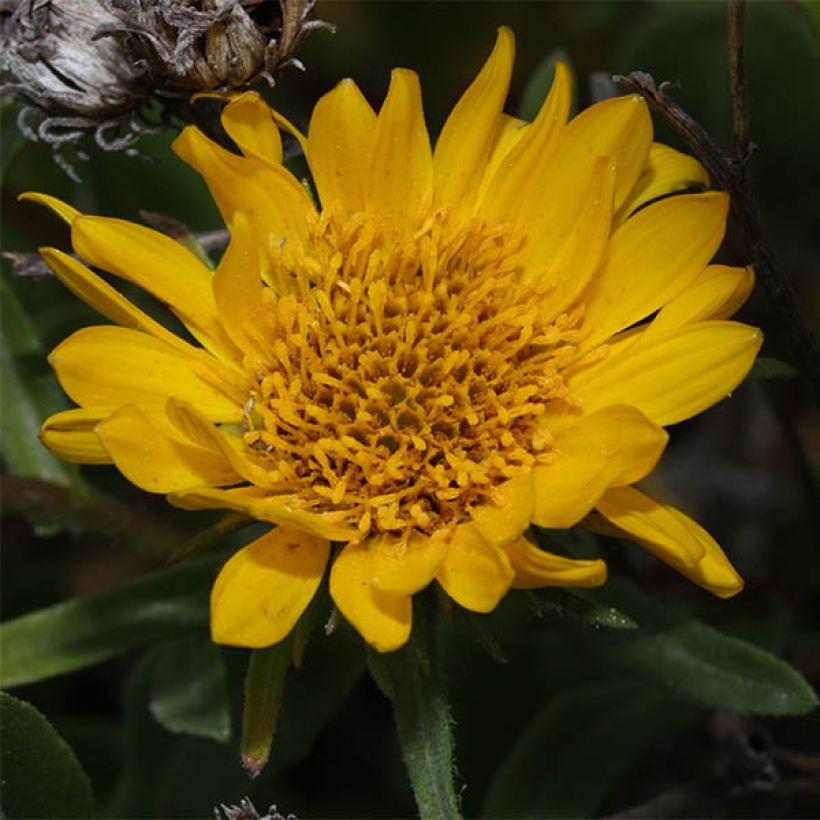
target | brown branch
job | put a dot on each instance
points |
(736, 13)
(729, 173)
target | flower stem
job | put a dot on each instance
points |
(264, 687)
(409, 678)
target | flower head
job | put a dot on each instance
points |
(454, 345)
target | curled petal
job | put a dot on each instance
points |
(467, 138)
(72, 436)
(667, 171)
(534, 568)
(256, 502)
(671, 536)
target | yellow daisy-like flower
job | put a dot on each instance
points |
(458, 343)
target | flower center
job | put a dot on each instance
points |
(408, 373)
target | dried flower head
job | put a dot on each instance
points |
(457, 344)
(91, 66)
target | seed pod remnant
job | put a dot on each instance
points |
(96, 67)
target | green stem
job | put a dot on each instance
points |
(264, 687)
(409, 678)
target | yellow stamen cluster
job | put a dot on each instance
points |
(408, 373)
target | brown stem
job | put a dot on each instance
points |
(736, 13)
(729, 173)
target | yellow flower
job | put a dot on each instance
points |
(459, 343)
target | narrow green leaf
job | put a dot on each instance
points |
(410, 678)
(87, 630)
(264, 687)
(539, 84)
(583, 608)
(767, 367)
(41, 776)
(698, 663)
(30, 394)
(189, 689)
(575, 748)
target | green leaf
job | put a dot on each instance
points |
(576, 747)
(40, 774)
(264, 687)
(580, 607)
(189, 689)
(88, 630)
(539, 84)
(811, 10)
(698, 663)
(767, 367)
(409, 677)
(126, 524)
(146, 747)
(30, 394)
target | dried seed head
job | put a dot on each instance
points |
(92, 66)
(49, 59)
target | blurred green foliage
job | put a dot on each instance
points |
(565, 705)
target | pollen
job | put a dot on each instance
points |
(406, 374)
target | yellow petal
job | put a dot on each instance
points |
(70, 435)
(279, 206)
(340, 139)
(108, 366)
(620, 129)
(584, 247)
(97, 293)
(383, 619)
(406, 567)
(248, 122)
(612, 447)
(200, 430)
(150, 454)
(674, 377)
(519, 174)
(265, 587)
(157, 263)
(510, 512)
(467, 138)
(673, 537)
(240, 293)
(475, 574)
(651, 258)
(666, 172)
(509, 131)
(401, 172)
(535, 568)
(716, 294)
(257, 503)
(62, 209)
